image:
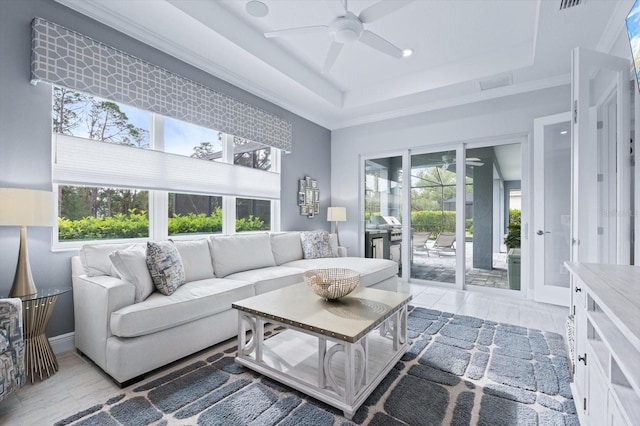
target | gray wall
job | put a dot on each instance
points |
(25, 140)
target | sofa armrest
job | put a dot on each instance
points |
(94, 299)
(342, 252)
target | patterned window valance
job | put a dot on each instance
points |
(66, 58)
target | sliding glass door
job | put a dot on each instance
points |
(433, 216)
(383, 208)
(464, 203)
(493, 214)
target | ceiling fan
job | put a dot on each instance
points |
(349, 28)
(448, 160)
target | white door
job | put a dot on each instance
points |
(612, 71)
(552, 208)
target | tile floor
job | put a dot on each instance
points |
(431, 267)
(79, 384)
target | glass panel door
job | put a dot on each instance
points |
(552, 208)
(383, 208)
(492, 213)
(433, 216)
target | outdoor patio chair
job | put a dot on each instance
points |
(445, 242)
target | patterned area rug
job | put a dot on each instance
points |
(460, 370)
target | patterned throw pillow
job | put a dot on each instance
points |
(165, 266)
(316, 244)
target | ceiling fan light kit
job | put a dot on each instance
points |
(346, 29)
(349, 28)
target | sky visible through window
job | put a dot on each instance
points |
(179, 137)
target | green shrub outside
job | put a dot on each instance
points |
(136, 225)
(512, 239)
(434, 221)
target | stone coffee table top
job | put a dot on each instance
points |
(348, 318)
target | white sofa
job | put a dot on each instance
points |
(128, 335)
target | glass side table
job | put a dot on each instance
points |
(36, 312)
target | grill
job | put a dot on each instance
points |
(383, 238)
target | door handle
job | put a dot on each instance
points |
(541, 232)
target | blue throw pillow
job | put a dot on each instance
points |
(316, 244)
(165, 266)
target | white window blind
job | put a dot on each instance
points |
(91, 163)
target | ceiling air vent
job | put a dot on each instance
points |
(566, 4)
(494, 82)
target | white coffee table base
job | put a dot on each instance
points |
(339, 373)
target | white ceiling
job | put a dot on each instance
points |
(456, 44)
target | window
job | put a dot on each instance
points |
(92, 213)
(192, 141)
(194, 214)
(251, 154)
(253, 215)
(107, 191)
(88, 117)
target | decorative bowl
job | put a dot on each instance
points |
(332, 283)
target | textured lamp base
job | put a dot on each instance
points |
(39, 357)
(23, 284)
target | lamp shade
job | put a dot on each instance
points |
(337, 214)
(26, 207)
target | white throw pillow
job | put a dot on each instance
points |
(196, 259)
(131, 264)
(165, 266)
(316, 244)
(286, 247)
(95, 258)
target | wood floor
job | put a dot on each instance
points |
(79, 384)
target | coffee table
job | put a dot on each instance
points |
(334, 351)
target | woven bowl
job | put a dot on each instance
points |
(332, 283)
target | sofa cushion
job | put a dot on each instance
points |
(95, 258)
(271, 278)
(165, 266)
(371, 271)
(237, 253)
(131, 264)
(316, 244)
(188, 303)
(286, 247)
(196, 259)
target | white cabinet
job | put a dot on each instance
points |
(606, 373)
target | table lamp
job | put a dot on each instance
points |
(25, 207)
(335, 215)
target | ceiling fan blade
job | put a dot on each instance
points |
(343, 3)
(381, 9)
(378, 43)
(334, 51)
(315, 29)
(473, 159)
(474, 163)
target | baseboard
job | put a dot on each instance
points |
(63, 343)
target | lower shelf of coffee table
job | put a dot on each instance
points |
(292, 358)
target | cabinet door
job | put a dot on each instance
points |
(579, 366)
(615, 417)
(597, 392)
